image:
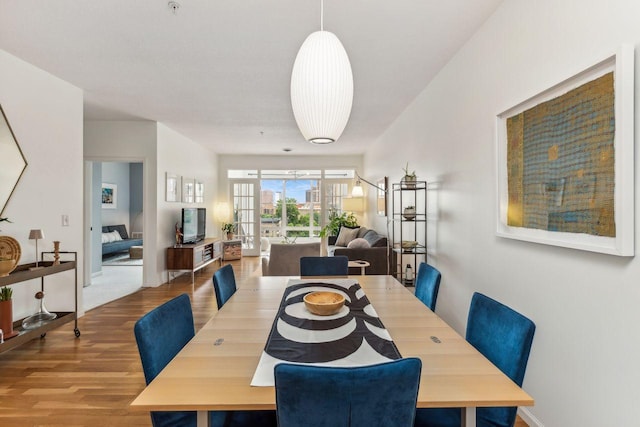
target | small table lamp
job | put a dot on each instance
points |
(36, 234)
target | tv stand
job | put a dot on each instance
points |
(193, 256)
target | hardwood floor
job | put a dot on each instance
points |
(90, 381)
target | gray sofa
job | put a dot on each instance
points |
(119, 245)
(381, 257)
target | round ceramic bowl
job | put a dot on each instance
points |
(323, 303)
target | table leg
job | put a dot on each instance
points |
(469, 416)
(203, 419)
(362, 273)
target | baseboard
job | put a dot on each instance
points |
(529, 418)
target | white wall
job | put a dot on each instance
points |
(583, 369)
(161, 150)
(182, 156)
(45, 114)
(131, 141)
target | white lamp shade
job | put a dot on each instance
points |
(221, 211)
(357, 191)
(321, 88)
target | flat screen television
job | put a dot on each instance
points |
(189, 225)
(202, 224)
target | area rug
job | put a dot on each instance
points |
(121, 259)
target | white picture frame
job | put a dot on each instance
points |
(199, 191)
(188, 190)
(173, 187)
(622, 244)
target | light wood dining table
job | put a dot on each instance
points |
(214, 370)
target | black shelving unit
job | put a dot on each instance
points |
(409, 228)
(26, 272)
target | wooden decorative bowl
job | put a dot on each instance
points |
(323, 303)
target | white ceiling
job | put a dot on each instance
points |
(218, 71)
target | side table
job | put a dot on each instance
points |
(361, 264)
(231, 249)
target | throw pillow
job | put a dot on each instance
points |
(358, 243)
(375, 240)
(362, 232)
(113, 236)
(346, 235)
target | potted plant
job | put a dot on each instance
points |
(337, 220)
(409, 179)
(409, 213)
(6, 312)
(228, 228)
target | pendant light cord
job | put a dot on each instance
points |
(321, 15)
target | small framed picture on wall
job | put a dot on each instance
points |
(199, 188)
(173, 183)
(109, 196)
(188, 190)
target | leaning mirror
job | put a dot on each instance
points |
(12, 161)
(381, 201)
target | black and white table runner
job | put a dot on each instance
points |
(354, 336)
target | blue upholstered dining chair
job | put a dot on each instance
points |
(224, 284)
(160, 335)
(503, 336)
(427, 285)
(382, 395)
(324, 266)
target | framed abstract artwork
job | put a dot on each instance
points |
(109, 196)
(565, 160)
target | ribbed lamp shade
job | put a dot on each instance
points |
(36, 234)
(322, 88)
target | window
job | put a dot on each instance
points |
(295, 204)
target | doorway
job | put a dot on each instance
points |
(114, 205)
(244, 215)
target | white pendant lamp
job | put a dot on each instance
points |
(321, 87)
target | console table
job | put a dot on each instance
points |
(26, 272)
(192, 257)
